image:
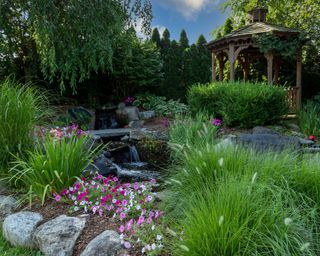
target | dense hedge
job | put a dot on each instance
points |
(238, 103)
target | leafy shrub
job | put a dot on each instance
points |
(21, 108)
(53, 165)
(240, 104)
(161, 105)
(309, 118)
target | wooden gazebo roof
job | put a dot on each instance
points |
(254, 28)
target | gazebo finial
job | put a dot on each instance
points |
(258, 14)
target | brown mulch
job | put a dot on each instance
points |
(95, 224)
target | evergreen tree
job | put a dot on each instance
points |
(155, 37)
(183, 41)
(202, 63)
(165, 43)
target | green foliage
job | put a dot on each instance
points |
(191, 131)
(161, 105)
(136, 67)
(309, 118)
(7, 250)
(155, 37)
(21, 108)
(240, 104)
(270, 42)
(73, 39)
(234, 201)
(53, 165)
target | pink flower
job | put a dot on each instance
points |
(127, 245)
(136, 186)
(149, 220)
(140, 220)
(216, 122)
(165, 123)
(121, 229)
(129, 224)
(115, 179)
(122, 215)
(64, 192)
(153, 181)
(124, 202)
(57, 198)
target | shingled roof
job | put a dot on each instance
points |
(254, 29)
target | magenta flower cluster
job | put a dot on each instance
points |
(129, 100)
(129, 204)
(216, 122)
(59, 132)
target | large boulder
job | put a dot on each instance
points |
(18, 228)
(106, 244)
(58, 236)
(269, 141)
(7, 204)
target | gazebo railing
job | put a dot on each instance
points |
(292, 97)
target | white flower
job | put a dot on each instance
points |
(82, 202)
(93, 183)
(138, 207)
(287, 221)
(148, 247)
(143, 250)
(220, 162)
(221, 219)
(97, 203)
(114, 200)
(73, 198)
(159, 237)
(138, 241)
(121, 236)
(75, 202)
(76, 209)
(71, 188)
(160, 246)
(153, 246)
(153, 227)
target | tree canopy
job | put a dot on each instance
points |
(72, 38)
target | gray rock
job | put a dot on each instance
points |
(264, 130)
(106, 244)
(133, 113)
(306, 142)
(125, 138)
(311, 150)
(269, 141)
(57, 237)
(136, 124)
(18, 228)
(147, 114)
(7, 204)
(294, 127)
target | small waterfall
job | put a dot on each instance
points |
(134, 155)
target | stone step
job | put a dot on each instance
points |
(109, 133)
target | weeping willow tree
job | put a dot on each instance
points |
(72, 39)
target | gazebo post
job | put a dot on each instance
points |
(221, 67)
(269, 57)
(214, 75)
(299, 78)
(276, 70)
(231, 60)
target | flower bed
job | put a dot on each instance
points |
(130, 205)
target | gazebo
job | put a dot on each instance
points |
(240, 45)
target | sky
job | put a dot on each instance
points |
(195, 16)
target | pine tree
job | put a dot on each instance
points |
(155, 37)
(183, 41)
(165, 43)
